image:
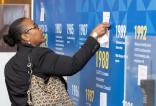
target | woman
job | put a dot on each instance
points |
(28, 36)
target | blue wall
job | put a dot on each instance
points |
(111, 77)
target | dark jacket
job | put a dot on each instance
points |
(45, 62)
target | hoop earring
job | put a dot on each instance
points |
(29, 42)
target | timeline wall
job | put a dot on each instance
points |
(122, 72)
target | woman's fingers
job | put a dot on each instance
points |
(101, 29)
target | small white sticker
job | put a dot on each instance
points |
(42, 12)
(103, 99)
(106, 17)
(104, 40)
(142, 73)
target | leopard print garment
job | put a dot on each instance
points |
(51, 94)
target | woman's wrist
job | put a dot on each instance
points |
(94, 35)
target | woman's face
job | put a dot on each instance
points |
(32, 33)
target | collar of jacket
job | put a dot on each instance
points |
(24, 47)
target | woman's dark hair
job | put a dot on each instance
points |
(15, 31)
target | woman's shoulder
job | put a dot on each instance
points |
(40, 51)
(10, 61)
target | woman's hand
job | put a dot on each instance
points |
(100, 30)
